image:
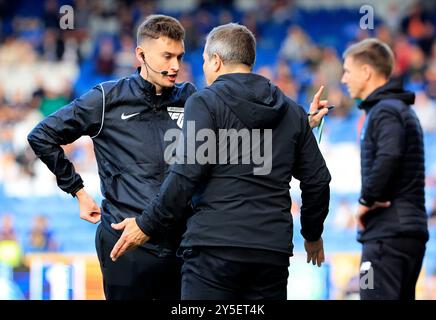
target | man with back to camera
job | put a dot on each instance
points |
(126, 119)
(391, 215)
(241, 227)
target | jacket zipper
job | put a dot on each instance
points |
(161, 159)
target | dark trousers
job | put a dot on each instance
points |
(208, 277)
(395, 263)
(138, 274)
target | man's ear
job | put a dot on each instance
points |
(217, 62)
(367, 71)
(139, 53)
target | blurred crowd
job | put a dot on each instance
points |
(42, 68)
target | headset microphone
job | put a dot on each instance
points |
(164, 73)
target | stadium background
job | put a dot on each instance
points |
(47, 252)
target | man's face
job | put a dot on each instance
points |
(163, 54)
(354, 77)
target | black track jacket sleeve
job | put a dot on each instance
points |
(181, 183)
(83, 116)
(311, 170)
(389, 136)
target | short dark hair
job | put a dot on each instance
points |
(373, 52)
(158, 25)
(234, 44)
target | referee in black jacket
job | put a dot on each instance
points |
(238, 241)
(391, 215)
(127, 120)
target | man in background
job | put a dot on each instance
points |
(391, 213)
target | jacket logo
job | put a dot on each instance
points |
(125, 117)
(176, 114)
